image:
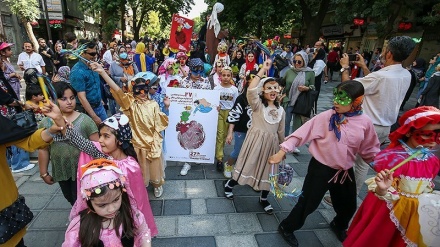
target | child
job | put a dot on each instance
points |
(389, 215)
(262, 139)
(240, 120)
(34, 96)
(169, 75)
(64, 157)
(148, 121)
(110, 218)
(335, 137)
(228, 94)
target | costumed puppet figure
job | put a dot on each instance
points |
(214, 33)
(169, 75)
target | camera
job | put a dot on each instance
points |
(352, 57)
(312, 50)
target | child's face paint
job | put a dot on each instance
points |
(341, 97)
(428, 136)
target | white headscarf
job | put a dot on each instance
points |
(213, 22)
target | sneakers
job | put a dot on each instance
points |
(186, 167)
(227, 170)
(288, 237)
(340, 234)
(219, 166)
(28, 167)
(158, 191)
(296, 151)
(228, 191)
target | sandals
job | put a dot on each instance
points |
(266, 206)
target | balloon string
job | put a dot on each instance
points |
(406, 160)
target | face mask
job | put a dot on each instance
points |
(272, 89)
(140, 89)
(427, 136)
(341, 97)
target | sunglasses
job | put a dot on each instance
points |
(92, 53)
(427, 136)
(197, 72)
(297, 61)
(154, 87)
(140, 89)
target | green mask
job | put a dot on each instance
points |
(176, 67)
(341, 97)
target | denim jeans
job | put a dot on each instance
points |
(113, 106)
(238, 142)
(289, 118)
(17, 158)
(100, 111)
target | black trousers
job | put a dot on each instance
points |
(68, 187)
(316, 184)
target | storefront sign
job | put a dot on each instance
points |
(333, 30)
(54, 5)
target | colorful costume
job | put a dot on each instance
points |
(168, 77)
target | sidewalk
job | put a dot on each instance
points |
(193, 210)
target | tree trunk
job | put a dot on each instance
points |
(106, 35)
(30, 33)
(312, 33)
(313, 22)
(137, 24)
(135, 27)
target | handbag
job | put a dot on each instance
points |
(25, 119)
(305, 103)
(285, 174)
(14, 218)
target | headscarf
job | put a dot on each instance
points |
(414, 119)
(140, 48)
(119, 122)
(250, 65)
(300, 78)
(63, 74)
(319, 56)
(420, 64)
(213, 21)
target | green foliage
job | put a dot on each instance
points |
(433, 18)
(153, 27)
(26, 10)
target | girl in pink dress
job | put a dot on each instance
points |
(110, 218)
(114, 143)
(390, 214)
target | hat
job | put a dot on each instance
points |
(414, 119)
(195, 62)
(100, 173)
(119, 122)
(181, 54)
(240, 42)
(4, 45)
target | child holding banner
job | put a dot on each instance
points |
(262, 139)
(228, 94)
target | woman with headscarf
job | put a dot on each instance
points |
(62, 74)
(318, 65)
(143, 61)
(299, 78)
(214, 34)
(249, 65)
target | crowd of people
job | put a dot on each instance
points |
(110, 111)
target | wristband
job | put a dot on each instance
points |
(44, 175)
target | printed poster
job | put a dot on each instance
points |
(181, 33)
(192, 128)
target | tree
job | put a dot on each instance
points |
(153, 27)
(164, 9)
(433, 18)
(27, 11)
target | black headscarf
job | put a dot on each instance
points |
(420, 64)
(319, 56)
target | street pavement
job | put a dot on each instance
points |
(193, 210)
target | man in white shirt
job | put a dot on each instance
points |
(385, 90)
(30, 59)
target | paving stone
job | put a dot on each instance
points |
(290, 158)
(245, 204)
(37, 202)
(212, 173)
(202, 225)
(173, 172)
(20, 180)
(269, 223)
(167, 226)
(38, 188)
(51, 219)
(172, 189)
(219, 206)
(244, 223)
(304, 158)
(200, 189)
(198, 206)
(328, 238)
(44, 238)
(177, 207)
(287, 203)
(156, 207)
(184, 242)
(305, 238)
(236, 240)
(59, 202)
(314, 221)
(328, 214)
(301, 168)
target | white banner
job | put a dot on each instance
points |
(192, 129)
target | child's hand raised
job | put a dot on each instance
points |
(383, 179)
(96, 67)
(51, 110)
(267, 64)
